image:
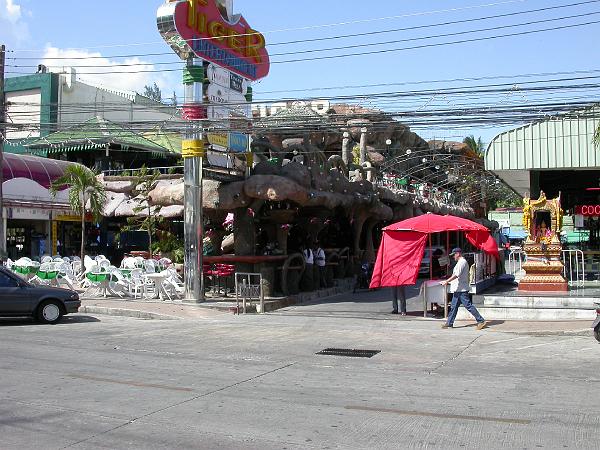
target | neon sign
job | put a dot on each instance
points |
(206, 29)
(588, 210)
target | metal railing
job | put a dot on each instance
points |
(514, 266)
(247, 289)
(574, 270)
(165, 170)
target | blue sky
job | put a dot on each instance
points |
(78, 28)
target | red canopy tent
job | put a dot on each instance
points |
(403, 244)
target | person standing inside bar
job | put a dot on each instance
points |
(399, 297)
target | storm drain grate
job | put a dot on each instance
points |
(353, 353)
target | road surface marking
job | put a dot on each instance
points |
(131, 383)
(440, 416)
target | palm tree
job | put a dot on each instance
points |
(476, 145)
(83, 187)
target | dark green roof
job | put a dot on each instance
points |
(95, 133)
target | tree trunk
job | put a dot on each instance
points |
(82, 239)
(149, 231)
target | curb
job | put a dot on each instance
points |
(122, 312)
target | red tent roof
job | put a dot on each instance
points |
(403, 243)
(434, 223)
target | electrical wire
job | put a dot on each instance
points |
(330, 25)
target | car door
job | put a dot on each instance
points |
(15, 299)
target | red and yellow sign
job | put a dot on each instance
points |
(230, 42)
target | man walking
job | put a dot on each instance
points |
(459, 286)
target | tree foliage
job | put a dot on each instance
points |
(147, 217)
(153, 92)
(86, 194)
(476, 145)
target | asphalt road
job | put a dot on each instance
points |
(255, 382)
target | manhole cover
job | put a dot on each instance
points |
(353, 353)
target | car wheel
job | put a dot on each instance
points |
(49, 311)
(597, 333)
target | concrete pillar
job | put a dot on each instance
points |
(346, 150)
(363, 146)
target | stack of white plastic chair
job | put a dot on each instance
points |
(174, 286)
(66, 275)
(117, 283)
(46, 259)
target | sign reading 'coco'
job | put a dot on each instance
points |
(207, 29)
(588, 210)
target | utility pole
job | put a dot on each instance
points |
(2, 138)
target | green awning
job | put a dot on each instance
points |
(94, 134)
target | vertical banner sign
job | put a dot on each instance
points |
(201, 32)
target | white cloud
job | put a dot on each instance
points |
(11, 24)
(109, 73)
(12, 10)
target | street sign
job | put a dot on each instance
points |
(227, 79)
(223, 95)
(220, 139)
(238, 142)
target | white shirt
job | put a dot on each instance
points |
(308, 256)
(461, 271)
(320, 257)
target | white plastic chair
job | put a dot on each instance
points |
(100, 285)
(164, 263)
(137, 283)
(46, 259)
(150, 266)
(128, 263)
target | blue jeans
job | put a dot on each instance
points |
(399, 294)
(457, 299)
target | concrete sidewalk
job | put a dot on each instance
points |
(164, 310)
(144, 309)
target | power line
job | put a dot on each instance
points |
(478, 19)
(330, 25)
(316, 58)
